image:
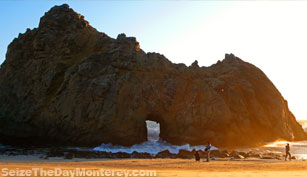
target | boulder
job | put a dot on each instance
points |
(184, 154)
(138, 155)
(165, 154)
(254, 154)
(91, 154)
(244, 154)
(120, 155)
(224, 154)
(236, 155)
(45, 157)
(240, 157)
(56, 152)
(216, 153)
(68, 155)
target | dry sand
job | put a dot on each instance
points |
(167, 167)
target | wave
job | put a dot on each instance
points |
(153, 147)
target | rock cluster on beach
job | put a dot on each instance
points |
(47, 153)
(65, 83)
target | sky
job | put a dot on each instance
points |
(269, 34)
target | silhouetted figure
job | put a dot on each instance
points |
(288, 152)
(207, 151)
(197, 157)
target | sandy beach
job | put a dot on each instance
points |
(166, 167)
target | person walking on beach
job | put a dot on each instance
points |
(197, 157)
(207, 151)
(288, 152)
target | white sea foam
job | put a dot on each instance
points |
(149, 147)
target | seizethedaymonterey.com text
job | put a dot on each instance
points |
(77, 172)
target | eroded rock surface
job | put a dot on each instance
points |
(66, 83)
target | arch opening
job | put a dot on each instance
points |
(153, 131)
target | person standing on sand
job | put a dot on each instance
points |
(207, 150)
(288, 152)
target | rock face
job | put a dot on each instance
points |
(66, 83)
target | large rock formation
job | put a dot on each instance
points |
(66, 83)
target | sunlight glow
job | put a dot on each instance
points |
(278, 144)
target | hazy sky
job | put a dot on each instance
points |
(269, 34)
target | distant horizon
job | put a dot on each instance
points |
(260, 33)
